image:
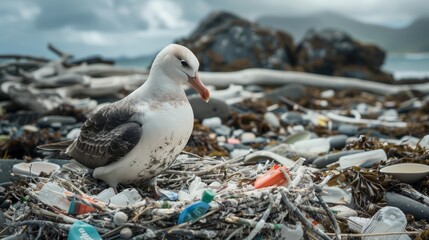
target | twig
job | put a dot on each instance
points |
(301, 216)
(347, 235)
(331, 216)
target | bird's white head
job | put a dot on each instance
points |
(179, 63)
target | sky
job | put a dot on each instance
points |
(114, 28)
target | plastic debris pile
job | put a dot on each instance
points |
(290, 162)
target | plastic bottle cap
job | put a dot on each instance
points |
(208, 196)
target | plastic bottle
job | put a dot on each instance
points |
(81, 230)
(387, 219)
(312, 146)
(197, 209)
(363, 159)
(53, 195)
(290, 232)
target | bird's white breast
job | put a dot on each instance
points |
(166, 129)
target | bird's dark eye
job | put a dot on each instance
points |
(184, 63)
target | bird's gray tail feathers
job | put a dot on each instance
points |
(55, 150)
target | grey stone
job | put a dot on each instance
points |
(289, 91)
(337, 141)
(213, 108)
(348, 129)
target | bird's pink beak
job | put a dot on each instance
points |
(199, 86)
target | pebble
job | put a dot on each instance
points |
(49, 120)
(272, 119)
(237, 133)
(247, 136)
(30, 128)
(348, 129)
(213, 108)
(120, 218)
(6, 204)
(126, 233)
(256, 140)
(289, 91)
(292, 118)
(221, 139)
(222, 130)
(233, 141)
(337, 141)
(212, 122)
(327, 94)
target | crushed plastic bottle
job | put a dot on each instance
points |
(363, 159)
(81, 230)
(387, 219)
(197, 209)
(290, 232)
(53, 195)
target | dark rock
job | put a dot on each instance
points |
(6, 204)
(331, 52)
(222, 131)
(292, 118)
(419, 210)
(290, 91)
(348, 129)
(337, 141)
(225, 42)
(213, 108)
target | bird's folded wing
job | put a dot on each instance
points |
(107, 136)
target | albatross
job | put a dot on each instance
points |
(136, 138)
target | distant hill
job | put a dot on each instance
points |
(413, 38)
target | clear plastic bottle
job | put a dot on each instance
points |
(312, 146)
(387, 219)
(363, 159)
(197, 209)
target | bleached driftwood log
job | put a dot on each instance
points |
(276, 77)
(77, 81)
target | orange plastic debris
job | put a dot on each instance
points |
(272, 178)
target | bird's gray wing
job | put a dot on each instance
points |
(107, 136)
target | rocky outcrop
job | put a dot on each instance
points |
(225, 42)
(331, 52)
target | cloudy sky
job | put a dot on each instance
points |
(132, 27)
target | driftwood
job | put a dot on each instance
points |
(276, 77)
